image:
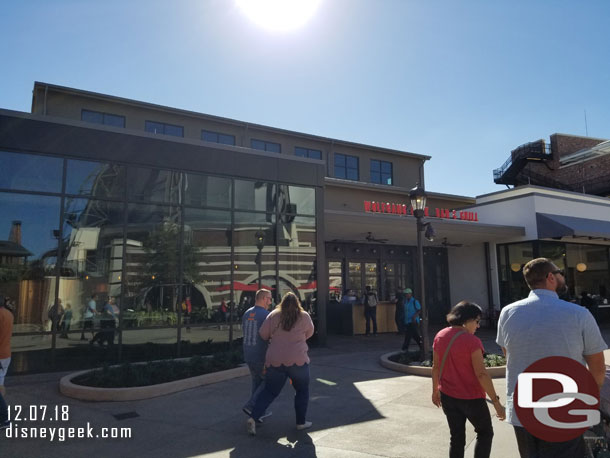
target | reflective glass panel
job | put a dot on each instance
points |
(371, 276)
(114, 120)
(92, 116)
(297, 260)
(257, 144)
(30, 172)
(389, 271)
(518, 255)
(152, 266)
(176, 131)
(226, 139)
(96, 179)
(29, 234)
(260, 196)
(207, 191)
(92, 268)
(273, 147)
(303, 200)
(254, 239)
(207, 266)
(335, 280)
(154, 185)
(587, 275)
(354, 279)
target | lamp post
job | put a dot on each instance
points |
(260, 243)
(417, 195)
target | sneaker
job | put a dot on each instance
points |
(263, 416)
(305, 425)
(251, 426)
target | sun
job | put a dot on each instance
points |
(281, 15)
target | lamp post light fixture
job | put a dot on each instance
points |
(417, 195)
(260, 243)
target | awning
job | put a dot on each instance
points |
(556, 226)
(352, 226)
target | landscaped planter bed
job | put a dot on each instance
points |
(494, 372)
(70, 386)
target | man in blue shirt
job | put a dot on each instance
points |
(540, 326)
(412, 310)
(255, 348)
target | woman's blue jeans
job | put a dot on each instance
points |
(275, 378)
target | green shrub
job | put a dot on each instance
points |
(491, 360)
(155, 372)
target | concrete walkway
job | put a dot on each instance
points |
(358, 409)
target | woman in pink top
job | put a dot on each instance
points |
(286, 328)
(461, 386)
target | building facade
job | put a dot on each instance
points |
(572, 229)
(568, 162)
(176, 216)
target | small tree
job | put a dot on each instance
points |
(162, 260)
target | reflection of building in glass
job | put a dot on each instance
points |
(94, 244)
(11, 250)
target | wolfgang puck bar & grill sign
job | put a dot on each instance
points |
(371, 206)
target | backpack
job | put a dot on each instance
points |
(371, 299)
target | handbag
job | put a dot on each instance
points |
(440, 372)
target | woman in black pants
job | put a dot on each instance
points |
(460, 381)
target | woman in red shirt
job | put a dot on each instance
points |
(460, 381)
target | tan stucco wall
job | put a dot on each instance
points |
(68, 103)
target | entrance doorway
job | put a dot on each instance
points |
(388, 268)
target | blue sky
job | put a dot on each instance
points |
(463, 81)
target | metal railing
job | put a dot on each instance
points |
(532, 150)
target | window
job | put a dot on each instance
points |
(346, 167)
(102, 118)
(29, 172)
(265, 146)
(165, 129)
(381, 172)
(217, 137)
(307, 152)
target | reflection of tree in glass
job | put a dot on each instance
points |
(162, 260)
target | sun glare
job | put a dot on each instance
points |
(281, 15)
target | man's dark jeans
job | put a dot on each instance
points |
(257, 372)
(477, 413)
(411, 332)
(532, 447)
(370, 313)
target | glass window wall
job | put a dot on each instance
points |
(130, 257)
(29, 172)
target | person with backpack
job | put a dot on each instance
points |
(370, 310)
(412, 309)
